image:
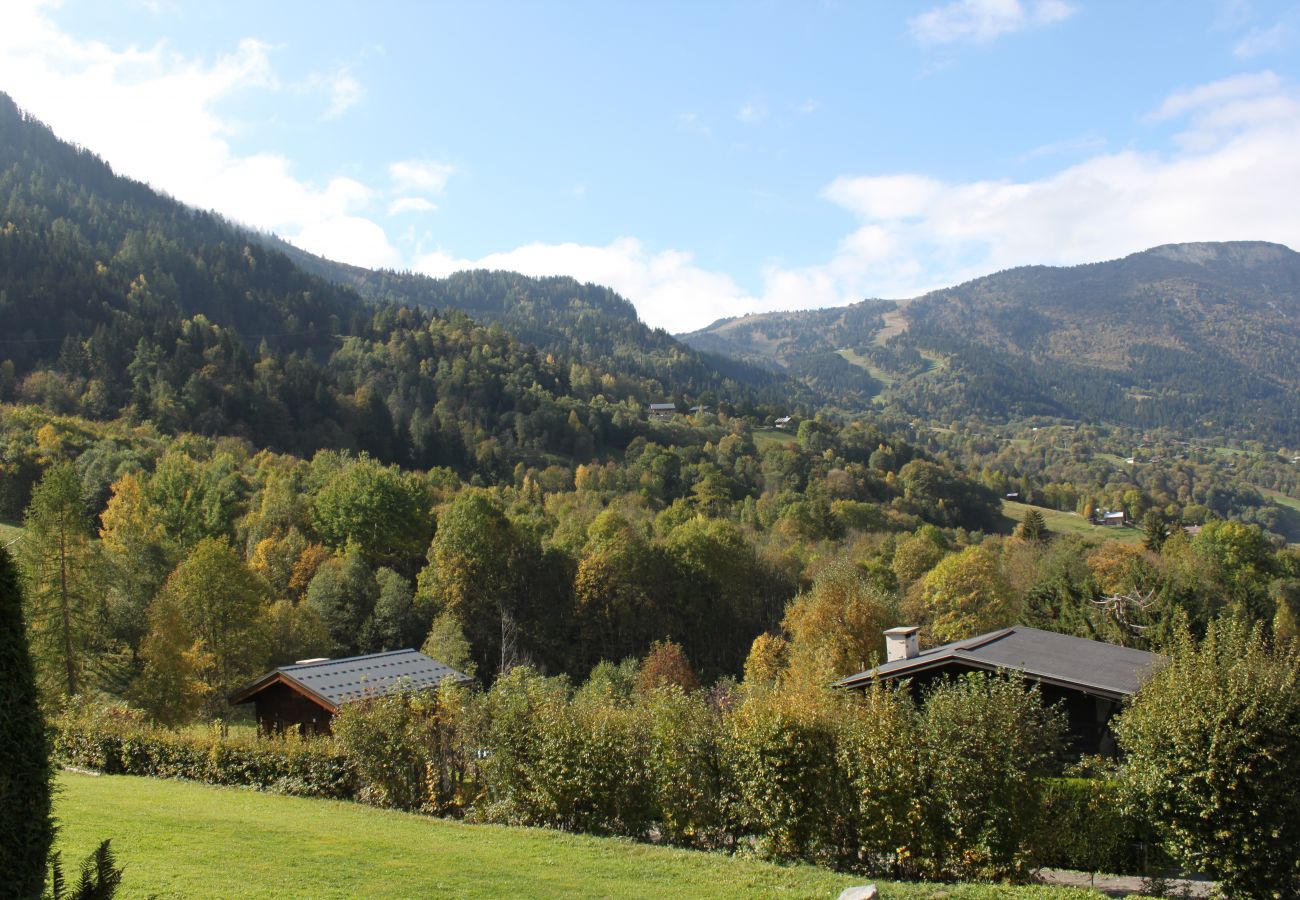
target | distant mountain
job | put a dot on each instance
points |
(1200, 337)
(564, 316)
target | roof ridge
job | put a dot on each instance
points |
(298, 667)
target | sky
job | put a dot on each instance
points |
(703, 159)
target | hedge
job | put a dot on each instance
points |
(117, 741)
(1085, 825)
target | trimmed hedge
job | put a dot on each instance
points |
(118, 742)
(1085, 825)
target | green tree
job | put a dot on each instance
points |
(209, 631)
(392, 625)
(1210, 745)
(837, 628)
(63, 602)
(377, 508)
(1033, 527)
(343, 593)
(24, 751)
(964, 595)
(1154, 530)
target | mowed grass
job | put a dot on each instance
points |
(1071, 523)
(178, 839)
(9, 532)
(764, 438)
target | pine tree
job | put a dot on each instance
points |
(1033, 527)
(24, 754)
(59, 558)
(1153, 530)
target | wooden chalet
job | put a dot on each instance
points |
(1089, 679)
(306, 695)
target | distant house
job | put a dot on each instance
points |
(305, 696)
(1014, 495)
(1114, 519)
(1090, 679)
(1192, 530)
(663, 410)
(783, 422)
(696, 410)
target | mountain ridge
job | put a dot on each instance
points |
(1199, 336)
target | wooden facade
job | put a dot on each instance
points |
(283, 706)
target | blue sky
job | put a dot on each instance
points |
(705, 159)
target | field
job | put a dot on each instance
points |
(1071, 523)
(764, 438)
(9, 532)
(179, 839)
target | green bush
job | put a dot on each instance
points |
(118, 741)
(684, 766)
(1211, 745)
(1086, 824)
(781, 784)
(409, 749)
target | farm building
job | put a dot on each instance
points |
(663, 410)
(306, 695)
(1090, 679)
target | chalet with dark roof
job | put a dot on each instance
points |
(306, 695)
(1090, 679)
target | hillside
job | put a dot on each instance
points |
(118, 301)
(1200, 337)
(561, 315)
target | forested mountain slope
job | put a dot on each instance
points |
(117, 300)
(564, 316)
(1200, 337)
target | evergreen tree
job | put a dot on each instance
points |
(1153, 530)
(24, 754)
(1033, 527)
(63, 599)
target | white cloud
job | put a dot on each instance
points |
(1259, 41)
(345, 92)
(752, 113)
(421, 175)
(980, 21)
(1231, 177)
(410, 204)
(151, 112)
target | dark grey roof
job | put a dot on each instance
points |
(1091, 666)
(663, 406)
(336, 681)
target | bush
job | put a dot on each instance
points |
(781, 783)
(118, 741)
(1086, 825)
(684, 766)
(950, 789)
(409, 749)
(1211, 746)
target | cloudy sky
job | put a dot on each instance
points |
(704, 159)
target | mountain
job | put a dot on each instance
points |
(1202, 337)
(117, 300)
(561, 315)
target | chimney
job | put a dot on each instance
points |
(900, 643)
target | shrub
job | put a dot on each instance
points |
(401, 745)
(684, 766)
(117, 740)
(1211, 745)
(1086, 825)
(781, 781)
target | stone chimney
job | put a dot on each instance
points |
(901, 643)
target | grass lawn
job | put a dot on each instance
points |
(763, 438)
(9, 532)
(1071, 523)
(178, 839)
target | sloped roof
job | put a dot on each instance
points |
(1093, 667)
(333, 682)
(663, 407)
